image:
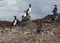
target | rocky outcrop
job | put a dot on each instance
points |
(26, 32)
(50, 18)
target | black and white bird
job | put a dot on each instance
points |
(15, 21)
(28, 11)
(55, 9)
(39, 28)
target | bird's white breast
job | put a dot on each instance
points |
(15, 22)
(29, 11)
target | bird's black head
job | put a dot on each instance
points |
(15, 17)
(29, 5)
(55, 5)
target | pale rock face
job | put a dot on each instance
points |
(6, 28)
(42, 33)
(15, 22)
(26, 32)
(52, 34)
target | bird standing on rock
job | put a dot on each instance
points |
(39, 28)
(15, 21)
(28, 11)
(55, 9)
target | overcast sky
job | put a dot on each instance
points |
(40, 8)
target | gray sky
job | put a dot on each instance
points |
(40, 8)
